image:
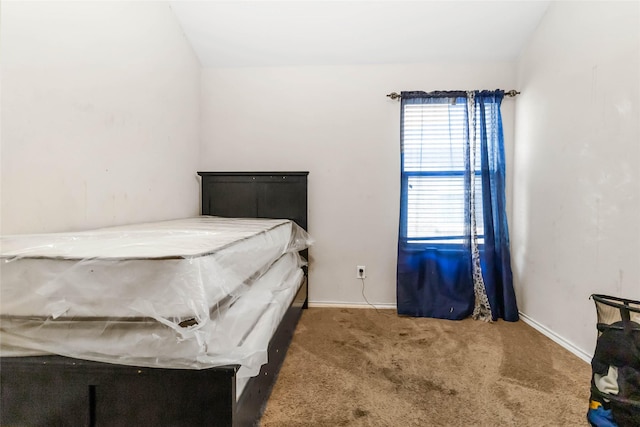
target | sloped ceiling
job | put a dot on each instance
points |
(294, 33)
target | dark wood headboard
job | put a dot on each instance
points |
(256, 195)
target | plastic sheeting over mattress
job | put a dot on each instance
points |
(174, 294)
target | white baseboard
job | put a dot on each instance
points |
(333, 304)
(556, 338)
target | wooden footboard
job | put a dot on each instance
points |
(59, 391)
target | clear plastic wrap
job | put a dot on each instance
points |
(191, 293)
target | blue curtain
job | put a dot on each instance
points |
(466, 270)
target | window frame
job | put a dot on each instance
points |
(442, 241)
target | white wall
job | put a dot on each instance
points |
(100, 115)
(336, 123)
(576, 228)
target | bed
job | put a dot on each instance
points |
(179, 323)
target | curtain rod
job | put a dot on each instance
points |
(512, 93)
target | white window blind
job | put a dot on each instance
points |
(434, 144)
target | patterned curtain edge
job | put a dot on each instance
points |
(482, 308)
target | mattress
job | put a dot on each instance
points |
(171, 269)
(180, 294)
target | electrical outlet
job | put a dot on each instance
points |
(361, 272)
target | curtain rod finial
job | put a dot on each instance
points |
(512, 93)
(394, 95)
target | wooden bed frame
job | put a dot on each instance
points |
(61, 391)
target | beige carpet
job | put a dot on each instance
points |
(362, 367)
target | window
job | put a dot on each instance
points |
(433, 172)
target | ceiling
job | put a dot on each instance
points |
(333, 32)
